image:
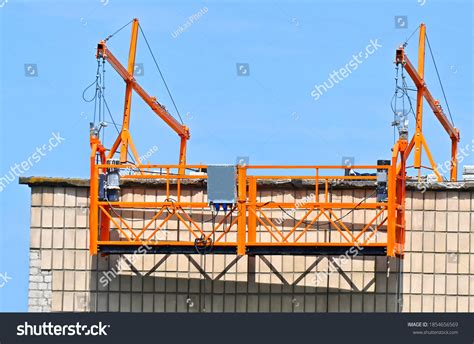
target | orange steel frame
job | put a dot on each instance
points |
(124, 140)
(250, 212)
(418, 141)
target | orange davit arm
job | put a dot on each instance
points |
(127, 75)
(422, 92)
(434, 104)
(181, 130)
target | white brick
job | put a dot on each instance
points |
(35, 217)
(35, 238)
(46, 238)
(58, 217)
(46, 259)
(47, 196)
(69, 217)
(58, 236)
(35, 293)
(36, 278)
(69, 238)
(42, 286)
(47, 217)
(70, 197)
(57, 259)
(36, 196)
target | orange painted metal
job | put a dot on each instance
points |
(125, 136)
(93, 214)
(418, 140)
(174, 219)
(252, 207)
(242, 209)
(419, 100)
(124, 139)
(239, 226)
(159, 109)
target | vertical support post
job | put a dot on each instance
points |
(326, 190)
(400, 200)
(242, 209)
(316, 186)
(94, 209)
(419, 101)
(105, 225)
(182, 156)
(252, 217)
(128, 93)
(167, 182)
(391, 204)
(454, 159)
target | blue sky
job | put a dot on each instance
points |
(268, 115)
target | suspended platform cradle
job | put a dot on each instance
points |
(247, 224)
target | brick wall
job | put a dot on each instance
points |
(40, 288)
(437, 273)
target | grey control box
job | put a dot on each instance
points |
(222, 184)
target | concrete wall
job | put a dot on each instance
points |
(437, 272)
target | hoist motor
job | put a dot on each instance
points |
(382, 181)
(109, 183)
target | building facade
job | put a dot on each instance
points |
(436, 274)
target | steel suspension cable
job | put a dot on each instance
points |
(409, 37)
(161, 74)
(116, 32)
(439, 79)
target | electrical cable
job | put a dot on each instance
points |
(211, 219)
(97, 76)
(306, 222)
(101, 87)
(404, 94)
(391, 103)
(404, 90)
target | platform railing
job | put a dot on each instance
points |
(249, 227)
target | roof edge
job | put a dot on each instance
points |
(34, 181)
